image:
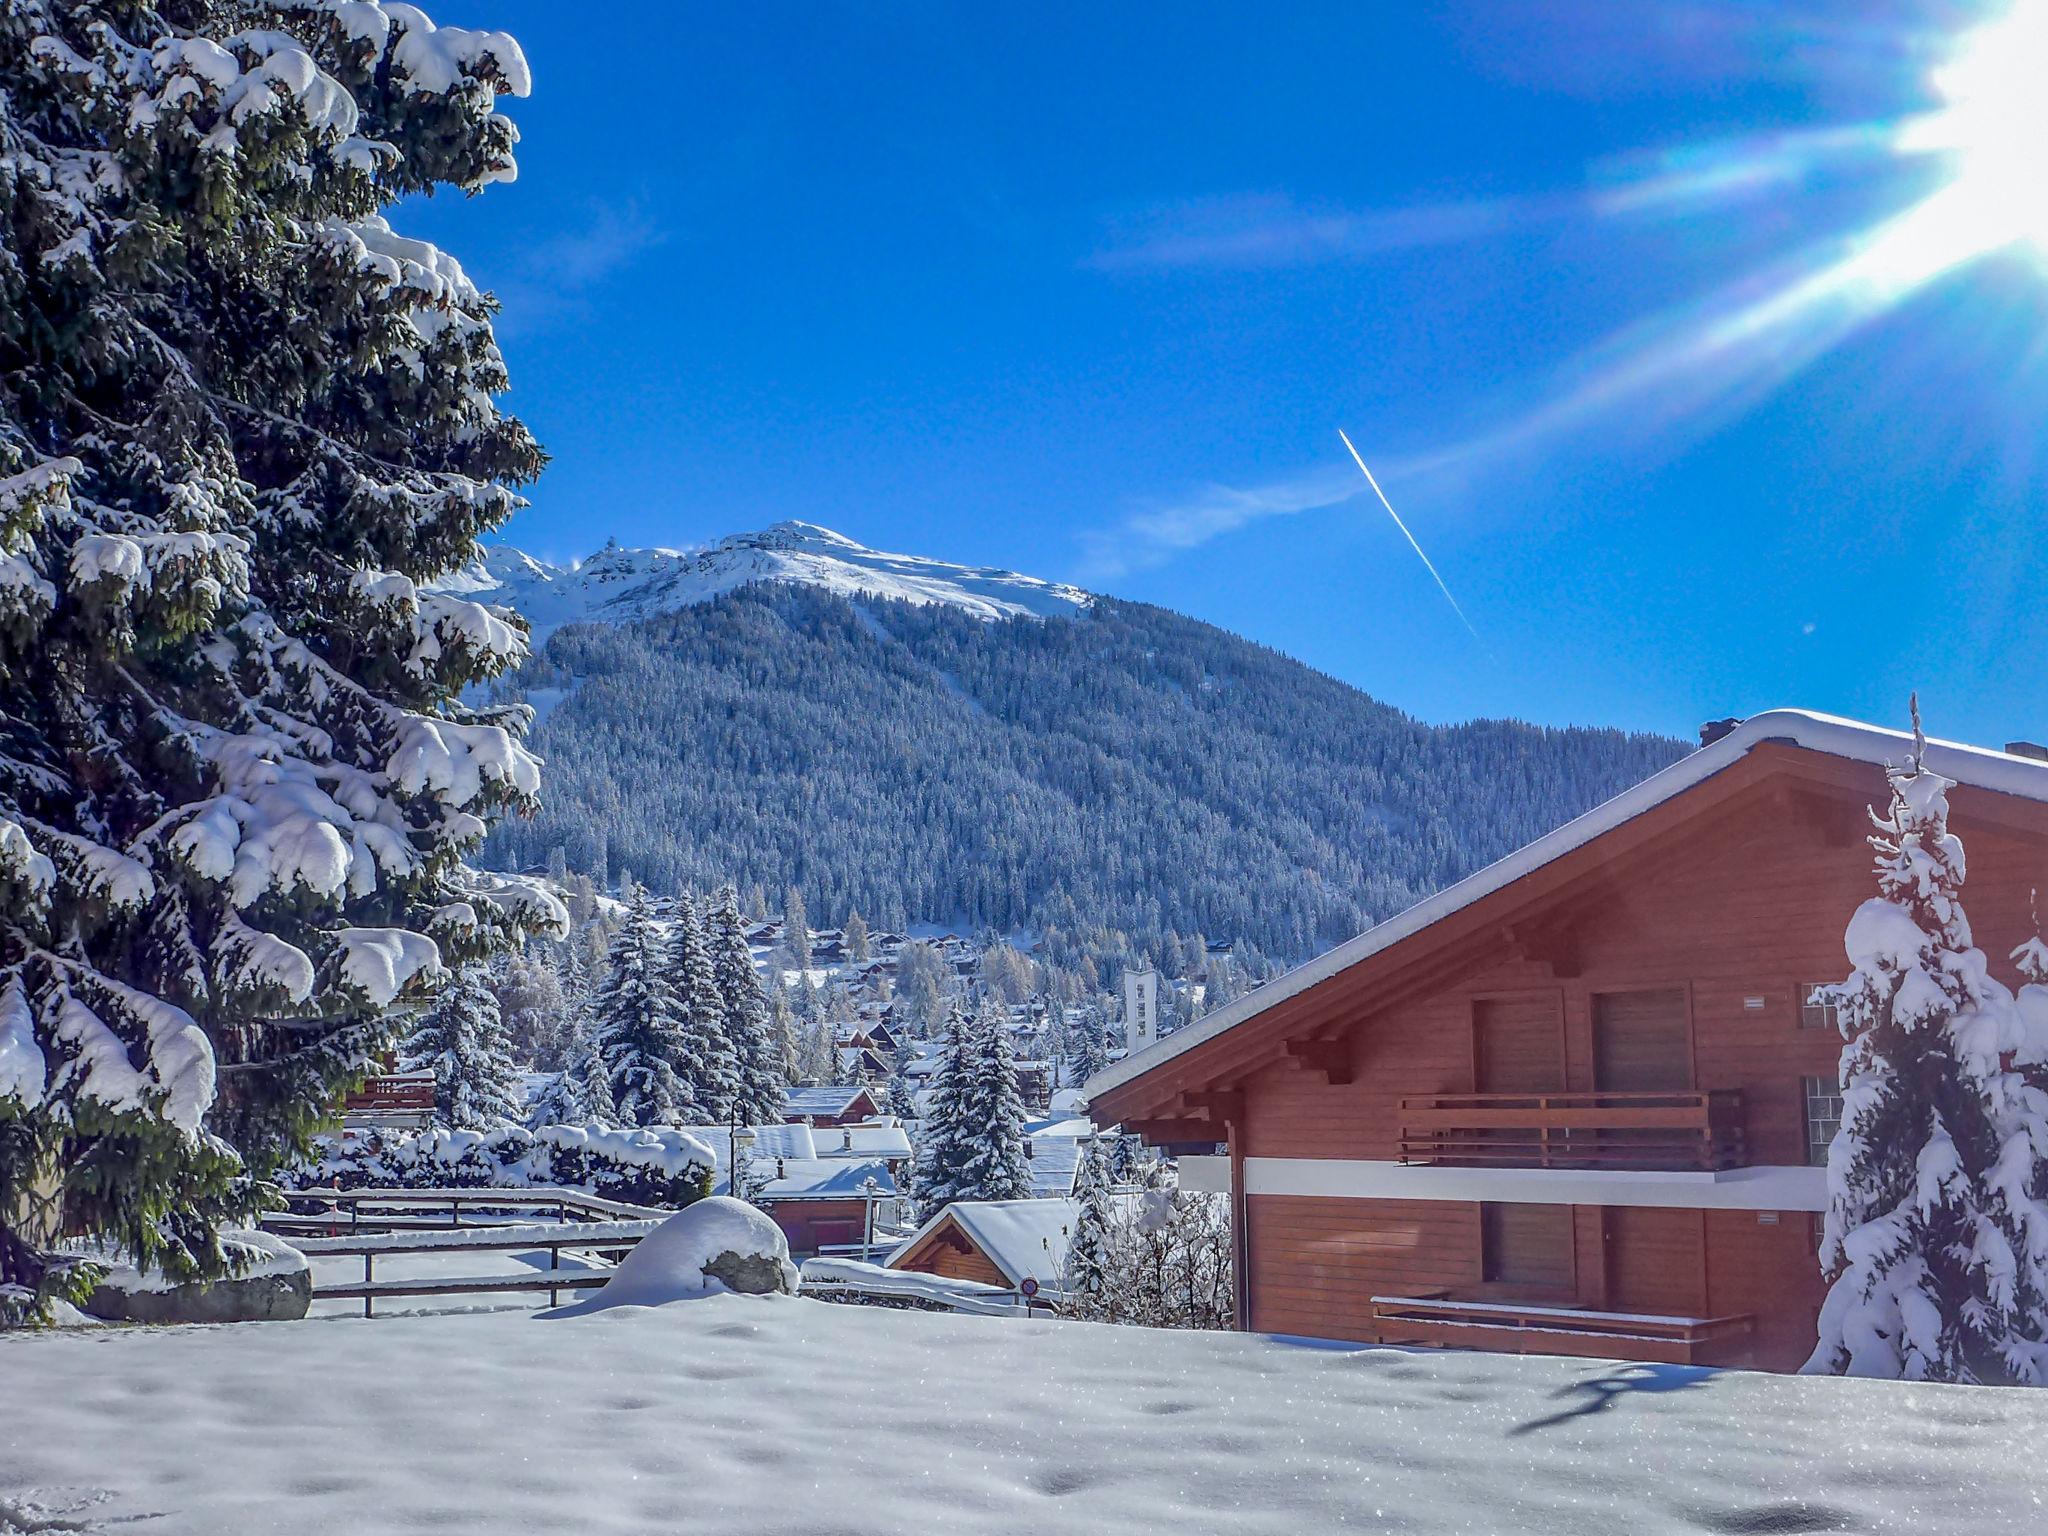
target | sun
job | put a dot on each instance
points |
(1993, 123)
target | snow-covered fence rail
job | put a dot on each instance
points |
(849, 1280)
(328, 1209)
(609, 1237)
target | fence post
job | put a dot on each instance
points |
(369, 1275)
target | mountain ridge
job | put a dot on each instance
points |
(625, 585)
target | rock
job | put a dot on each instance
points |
(753, 1274)
(276, 1285)
(709, 1247)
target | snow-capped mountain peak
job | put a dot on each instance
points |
(619, 585)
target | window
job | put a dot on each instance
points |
(1817, 1015)
(1526, 1245)
(1823, 1117)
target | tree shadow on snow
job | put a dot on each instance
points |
(1600, 1393)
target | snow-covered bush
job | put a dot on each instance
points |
(1936, 1240)
(243, 422)
(1162, 1261)
(650, 1166)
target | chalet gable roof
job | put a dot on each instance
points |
(1979, 767)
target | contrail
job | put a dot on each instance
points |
(1427, 564)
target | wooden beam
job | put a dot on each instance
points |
(1332, 1058)
(1219, 1103)
(1165, 1132)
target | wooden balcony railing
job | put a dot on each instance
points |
(1685, 1130)
(1508, 1328)
(396, 1094)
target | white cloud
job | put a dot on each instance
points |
(1151, 536)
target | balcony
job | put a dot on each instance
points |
(1689, 1130)
(1436, 1320)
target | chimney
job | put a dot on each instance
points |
(2032, 749)
(1027, 1149)
(781, 1169)
(1714, 730)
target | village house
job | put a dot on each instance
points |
(1020, 1245)
(1581, 1101)
(830, 1104)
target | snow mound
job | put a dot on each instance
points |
(672, 1262)
(618, 586)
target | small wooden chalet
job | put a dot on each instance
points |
(830, 1104)
(1581, 1101)
(995, 1242)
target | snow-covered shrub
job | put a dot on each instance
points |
(1161, 1259)
(650, 1166)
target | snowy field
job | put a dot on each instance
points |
(754, 1417)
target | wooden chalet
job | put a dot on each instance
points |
(1578, 1103)
(830, 1104)
(995, 1242)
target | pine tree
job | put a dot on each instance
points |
(242, 421)
(1936, 1237)
(639, 1033)
(1088, 1249)
(762, 1078)
(858, 947)
(942, 1139)
(1090, 1054)
(994, 1166)
(796, 930)
(461, 1040)
(706, 1060)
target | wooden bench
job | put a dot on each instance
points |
(1514, 1328)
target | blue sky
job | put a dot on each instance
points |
(1087, 291)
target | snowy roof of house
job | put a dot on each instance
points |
(872, 1138)
(1076, 1126)
(1054, 1160)
(829, 1099)
(1979, 767)
(793, 1140)
(823, 1178)
(1025, 1239)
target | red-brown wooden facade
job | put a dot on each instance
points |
(1622, 1023)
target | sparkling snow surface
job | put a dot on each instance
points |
(619, 585)
(762, 1416)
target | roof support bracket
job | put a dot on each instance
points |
(1332, 1058)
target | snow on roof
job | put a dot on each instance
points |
(830, 1099)
(1979, 767)
(1054, 1161)
(792, 1140)
(824, 1178)
(873, 1138)
(1073, 1126)
(1022, 1238)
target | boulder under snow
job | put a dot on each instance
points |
(711, 1246)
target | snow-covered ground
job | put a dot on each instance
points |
(745, 1415)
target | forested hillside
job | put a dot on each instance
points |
(1127, 766)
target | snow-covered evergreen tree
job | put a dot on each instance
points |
(1088, 1247)
(534, 1008)
(855, 940)
(639, 1031)
(993, 1166)
(1936, 1238)
(242, 420)
(707, 1061)
(944, 1129)
(461, 1040)
(762, 1078)
(1090, 1051)
(796, 930)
